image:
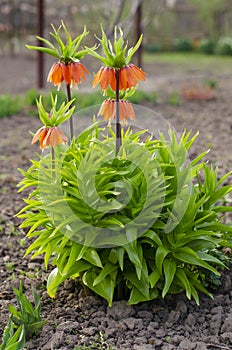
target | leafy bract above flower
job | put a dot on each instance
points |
(57, 115)
(117, 58)
(108, 110)
(68, 69)
(116, 55)
(65, 52)
(50, 134)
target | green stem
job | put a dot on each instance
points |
(87, 290)
(71, 118)
(118, 125)
(53, 163)
(120, 290)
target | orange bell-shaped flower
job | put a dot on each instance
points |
(108, 110)
(129, 77)
(49, 136)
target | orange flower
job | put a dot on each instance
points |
(78, 72)
(108, 110)
(55, 75)
(71, 73)
(129, 77)
(49, 137)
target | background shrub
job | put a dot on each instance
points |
(10, 105)
(182, 45)
(206, 46)
(224, 46)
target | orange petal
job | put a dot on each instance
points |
(109, 111)
(139, 73)
(66, 73)
(123, 83)
(114, 103)
(130, 110)
(75, 75)
(123, 112)
(46, 139)
(57, 75)
(112, 81)
(42, 137)
(97, 77)
(62, 135)
(100, 112)
(83, 68)
(55, 138)
(49, 78)
(131, 78)
(105, 78)
(37, 135)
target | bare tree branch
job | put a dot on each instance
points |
(120, 7)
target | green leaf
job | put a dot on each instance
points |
(137, 297)
(132, 250)
(154, 237)
(17, 341)
(92, 257)
(210, 258)
(222, 209)
(194, 294)
(132, 50)
(188, 256)
(220, 194)
(121, 253)
(169, 267)
(142, 285)
(154, 277)
(223, 178)
(43, 49)
(182, 277)
(74, 253)
(105, 288)
(161, 254)
(107, 270)
(55, 278)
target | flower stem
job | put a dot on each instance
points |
(118, 125)
(71, 118)
(53, 162)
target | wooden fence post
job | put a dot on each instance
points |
(138, 31)
(40, 55)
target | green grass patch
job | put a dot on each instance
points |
(192, 60)
(10, 105)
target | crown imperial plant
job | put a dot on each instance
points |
(124, 213)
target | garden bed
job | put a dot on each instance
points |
(73, 319)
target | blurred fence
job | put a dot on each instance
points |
(18, 21)
(184, 21)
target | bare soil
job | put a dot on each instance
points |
(74, 319)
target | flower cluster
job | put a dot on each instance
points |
(71, 73)
(108, 110)
(68, 68)
(50, 134)
(118, 79)
(49, 137)
(129, 77)
(117, 66)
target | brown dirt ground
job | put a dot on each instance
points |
(213, 119)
